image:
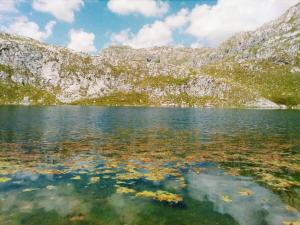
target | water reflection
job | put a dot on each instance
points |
(60, 165)
(247, 202)
(61, 198)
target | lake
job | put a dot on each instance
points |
(126, 165)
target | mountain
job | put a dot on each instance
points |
(251, 69)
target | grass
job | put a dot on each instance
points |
(12, 93)
(248, 81)
(77, 64)
(118, 70)
(7, 69)
(272, 81)
(128, 71)
(163, 81)
(117, 99)
(183, 99)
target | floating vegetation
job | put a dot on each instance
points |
(111, 164)
(137, 170)
(129, 176)
(277, 182)
(77, 218)
(76, 177)
(162, 196)
(4, 179)
(124, 190)
(291, 222)
(154, 176)
(167, 197)
(269, 164)
(83, 172)
(146, 194)
(94, 180)
(245, 192)
(106, 171)
(226, 198)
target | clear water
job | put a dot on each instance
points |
(98, 165)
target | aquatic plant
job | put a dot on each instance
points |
(162, 196)
(4, 179)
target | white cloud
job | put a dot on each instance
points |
(120, 38)
(158, 33)
(144, 7)
(81, 41)
(61, 9)
(210, 186)
(7, 9)
(197, 45)
(8, 5)
(178, 20)
(213, 24)
(23, 26)
(210, 25)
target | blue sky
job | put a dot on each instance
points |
(90, 25)
(95, 17)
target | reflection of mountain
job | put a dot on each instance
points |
(57, 123)
(254, 69)
(260, 207)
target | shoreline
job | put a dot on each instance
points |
(157, 106)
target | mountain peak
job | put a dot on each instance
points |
(256, 68)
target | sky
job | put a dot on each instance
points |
(91, 25)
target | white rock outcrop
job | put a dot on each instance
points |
(72, 76)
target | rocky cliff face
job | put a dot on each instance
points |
(254, 69)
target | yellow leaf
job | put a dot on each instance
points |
(83, 172)
(291, 222)
(226, 198)
(4, 179)
(94, 180)
(154, 176)
(168, 197)
(245, 192)
(76, 178)
(77, 218)
(162, 196)
(146, 194)
(107, 171)
(124, 190)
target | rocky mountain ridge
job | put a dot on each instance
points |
(251, 69)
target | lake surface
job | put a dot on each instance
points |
(101, 165)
